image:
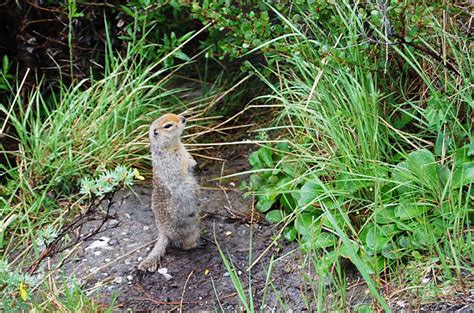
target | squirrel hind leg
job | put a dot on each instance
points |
(192, 240)
(150, 263)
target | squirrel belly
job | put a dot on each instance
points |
(174, 197)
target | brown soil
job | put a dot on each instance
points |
(200, 280)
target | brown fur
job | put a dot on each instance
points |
(174, 197)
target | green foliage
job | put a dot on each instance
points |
(14, 287)
(5, 77)
(368, 174)
(108, 181)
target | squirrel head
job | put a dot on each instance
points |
(166, 131)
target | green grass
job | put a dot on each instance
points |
(373, 170)
(374, 160)
(76, 132)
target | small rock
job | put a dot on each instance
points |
(118, 280)
(401, 304)
(232, 184)
(226, 274)
(123, 233)
(148, 249)
(105, 274)
(97, 253)
(113, 223)
(127, 262)
(145, 228)
(139, 259)
(102, 243)
(239, 272)
(129, 277)
(164, 271)
(107, 260)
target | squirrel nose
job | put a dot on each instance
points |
(183, 119)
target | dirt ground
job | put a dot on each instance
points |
(106, 262)
(198, 280)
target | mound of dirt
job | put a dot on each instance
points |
(191, 280)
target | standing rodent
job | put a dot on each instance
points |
(174, 199)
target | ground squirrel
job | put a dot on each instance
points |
(174, 197)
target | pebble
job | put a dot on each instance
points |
(127, 262)
(164, 271)
(239, 272)
(226, 274)
(145, 228)
(148, 249)
(129, 277)
(113, 223)
(139, 259)
(107, 260)
(118, 279)
(97, 253)
(123, 233)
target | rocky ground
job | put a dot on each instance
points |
(191, 280)
(106, 262)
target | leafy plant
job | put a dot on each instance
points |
(109, 180)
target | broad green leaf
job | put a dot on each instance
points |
(375, 264)
(323, 240)
(290, 234)
(404, 242)
(264, 206)
(265, 154)
(350, 183)
(283, 146)
(388, 230)
(275, 216)
(440, 226)
(337, 216)
(422, 237)
(287, 201)
(181, 55)
(463, 175)
(423, 164)
(407, 210)
(402, 177)
(254, 160)
(375, 241)
(304, 224)
(255, 181)
(309, 192)
(327, 260)
(384, 215)
(392, 252)
(283, 184)
(343, 250)
(288, 168)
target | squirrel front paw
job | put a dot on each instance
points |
(150, 264)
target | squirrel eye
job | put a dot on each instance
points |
(167, 125)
